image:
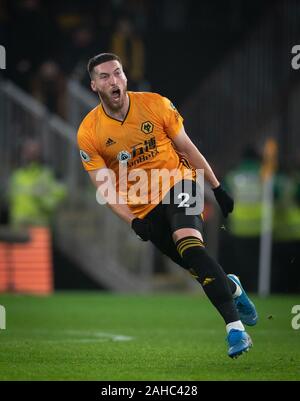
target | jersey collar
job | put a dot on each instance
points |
(115, 119)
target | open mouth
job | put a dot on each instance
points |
(116, 93)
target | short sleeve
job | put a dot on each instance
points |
(90, 157)
(172, 119)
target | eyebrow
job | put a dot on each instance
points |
(106, 73)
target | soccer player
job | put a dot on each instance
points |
(139, 132)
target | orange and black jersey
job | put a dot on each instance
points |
(142, 141)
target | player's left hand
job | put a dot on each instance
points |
(225, 201)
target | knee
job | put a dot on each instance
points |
(193, 254)
(189, 244)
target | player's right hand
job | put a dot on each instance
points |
(142, 228)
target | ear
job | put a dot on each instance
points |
(93, 86)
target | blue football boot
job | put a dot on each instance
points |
(244, 305)
(239, 342)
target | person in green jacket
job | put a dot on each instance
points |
(244, 224)
(34, 193)
(286, 255)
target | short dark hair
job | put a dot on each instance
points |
(99, 59)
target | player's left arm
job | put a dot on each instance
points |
(184, 145)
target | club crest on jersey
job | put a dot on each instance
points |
(147, 127)
(123, 156)
(84, 156)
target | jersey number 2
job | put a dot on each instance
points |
(185, 199)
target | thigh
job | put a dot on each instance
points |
(161, 235)
(174, 213)
(182, 211)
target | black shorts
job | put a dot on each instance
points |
(172, 215)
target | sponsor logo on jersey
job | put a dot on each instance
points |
(143, 151)
(110, 142)
(123, 156)
(84, 156)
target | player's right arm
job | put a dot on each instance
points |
(104, 182)
(101, 176)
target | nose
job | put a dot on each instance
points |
(113, 80)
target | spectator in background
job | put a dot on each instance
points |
(82, 44)
(34, 193)
(130, 47)
(49, 86)
(33, 37)
(82, 41)
(244, 225)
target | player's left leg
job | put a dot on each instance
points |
(215, 285)
(243, 303)
(186, 232)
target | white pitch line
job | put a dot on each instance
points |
(79, 336)
(99, 335)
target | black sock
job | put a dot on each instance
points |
(210, 275)
(232, 285)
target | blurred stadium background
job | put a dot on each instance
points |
(227, 67)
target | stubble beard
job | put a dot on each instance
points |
(109, 104)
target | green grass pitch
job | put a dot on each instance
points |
(104, 336)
